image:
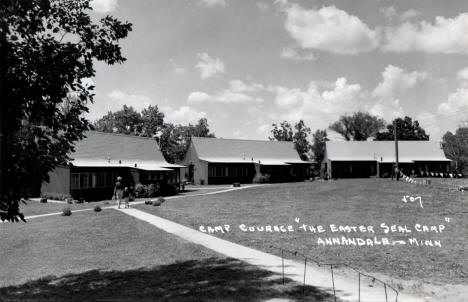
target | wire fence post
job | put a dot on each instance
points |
(359, 286)
(385, 288)
(305, 267)
(282, 262)
(333, 281)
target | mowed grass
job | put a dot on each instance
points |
(342, 202)
(110, 256)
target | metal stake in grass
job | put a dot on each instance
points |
(359, 286)
(385, 288)
(305, 267)
(333, 281)
(282, 262)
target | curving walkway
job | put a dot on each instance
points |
(346, 288)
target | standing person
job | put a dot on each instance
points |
(118, 191)
(126, 196)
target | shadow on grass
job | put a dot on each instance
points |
(211, 279)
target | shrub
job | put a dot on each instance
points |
(140, 190)
(97, 209)
(43, 200)
(66, 211)
(260, 178)
(153, 190)
(55, 196)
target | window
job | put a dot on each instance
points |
(92, 180)
(75, 180)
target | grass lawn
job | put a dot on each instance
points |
(31, 207)
(347, 202)
(111, 256)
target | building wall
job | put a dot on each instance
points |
(230, 173)
(59, 181)
(353, 169)
(200, 168)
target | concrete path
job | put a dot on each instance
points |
(346, 288)
(223, 190)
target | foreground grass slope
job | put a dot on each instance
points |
(110, 256)
(347, 202)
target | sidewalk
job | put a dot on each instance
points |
(346, 288)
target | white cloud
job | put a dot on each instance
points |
(462, 77)
(199, 97)
(212, 3)
(291, 53)
(180, 71)
(318, 104)
(389, 12)
(263, 7)
(182, 115)
(427, 122)
(236, 93)
(396, 80)
(138, 102)
(209, 66)
(457, 103)
(329, 29)
(409, 14)
(103, 6)
(446, 35)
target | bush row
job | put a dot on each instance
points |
(153, 190)
(55, 196)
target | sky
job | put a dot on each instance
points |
(246, 64)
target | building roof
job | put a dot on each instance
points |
(384, 151)
(99, 149)
(222, 150)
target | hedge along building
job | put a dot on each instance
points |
(100, 158)
(345, 159)
(223, 161)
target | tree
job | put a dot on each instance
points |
(407, 130)
(175, 139)
(301, 143)
(298, 136)
(152, 121)
(318, 146)
(48, 49)
(456, 147)
(200, 129)
(126, 121)
(282, 133)
(358, 127)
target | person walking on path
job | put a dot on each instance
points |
(118, 191)
(126, 196)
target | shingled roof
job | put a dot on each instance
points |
(384, 151)
(241, 151)
(99, 149)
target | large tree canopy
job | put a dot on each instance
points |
(283, 132)
(456, 148)
(298, 135)
(48, 48)
(173, 140)
(358, 127)
(318, 145)
(406, 129)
